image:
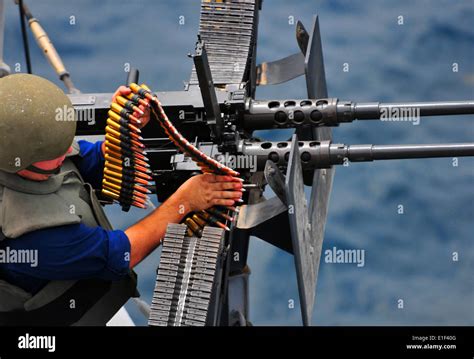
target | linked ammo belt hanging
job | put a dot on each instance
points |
(126, 170)
(228, 31)
(187, 277)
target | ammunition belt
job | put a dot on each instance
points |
(126, 170)
(195, 221)
(187, 277)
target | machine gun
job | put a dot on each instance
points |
(205, 281)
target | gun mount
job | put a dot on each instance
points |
(217, 112)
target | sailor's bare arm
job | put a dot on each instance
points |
(198, 193)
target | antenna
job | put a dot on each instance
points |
(4, 68)
(45, 45)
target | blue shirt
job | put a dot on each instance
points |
(72, 251)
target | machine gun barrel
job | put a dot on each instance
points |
(363, 153)
(324, 154)
(369, 111)
(271, 114)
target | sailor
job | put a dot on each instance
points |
(48, 208)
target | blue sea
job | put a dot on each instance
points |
(418, 265)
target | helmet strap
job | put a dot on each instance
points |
(40, 171)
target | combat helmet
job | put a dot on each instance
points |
(35, 121)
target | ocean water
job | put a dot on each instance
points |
(423, 258)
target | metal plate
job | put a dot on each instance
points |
(304, 243)
(279, 71)
(322, 178)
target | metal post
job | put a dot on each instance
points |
(4, 68)
(208, 91)
(46, 47)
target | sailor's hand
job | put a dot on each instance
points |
(207, 190)
(145, 118)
